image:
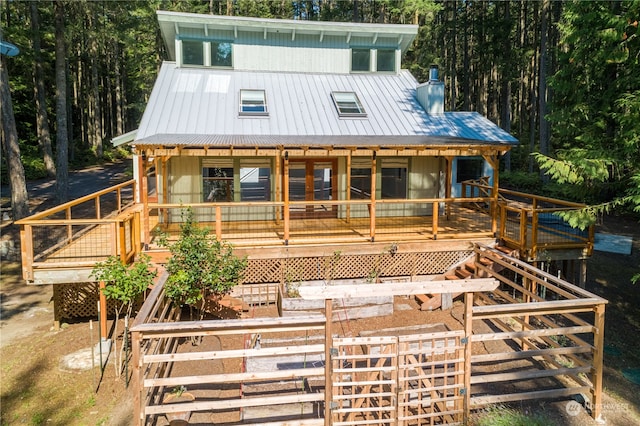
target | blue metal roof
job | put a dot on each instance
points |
(200, 106)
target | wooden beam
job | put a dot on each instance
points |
(397, 289)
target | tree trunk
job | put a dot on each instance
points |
(96, 110)
(505, 86)
(11, 148)
(42, 119)
(542, 82)
(62, 136)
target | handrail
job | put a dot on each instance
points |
(76, 202)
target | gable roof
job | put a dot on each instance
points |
(200, 107)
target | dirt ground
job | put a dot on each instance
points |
(36, 390)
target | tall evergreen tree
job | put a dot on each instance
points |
(62, 137)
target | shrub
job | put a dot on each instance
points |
(199, 266)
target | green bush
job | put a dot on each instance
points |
(199, 266)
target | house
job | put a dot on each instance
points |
(309, 148)
(294, 140)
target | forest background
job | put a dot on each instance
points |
(561, 76)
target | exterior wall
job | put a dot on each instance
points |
(327, 57)
(185, 186)
(456, 187)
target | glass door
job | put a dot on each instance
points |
(313, 180)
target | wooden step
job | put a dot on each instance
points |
(451, 276)
(485, 261)
(422, 299)
(506, 250)
(434, 302)
(471, 267)
(463, 273)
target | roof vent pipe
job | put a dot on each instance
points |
(431, 94)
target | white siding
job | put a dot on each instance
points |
(290, 59)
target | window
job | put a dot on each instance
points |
(360, 59)
(469, 168)
(394, 179)
(348, 104)
(221, 54)
(253, 102)
(386, 60)
(217, 183)
(360, 183)
(255, 183)
(192, 52)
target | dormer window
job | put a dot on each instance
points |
(348, 104)
(253, 102)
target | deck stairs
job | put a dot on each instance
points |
(467, 269)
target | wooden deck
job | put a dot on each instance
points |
(60, 246)
(463, 224)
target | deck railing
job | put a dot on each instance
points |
(535, 336)
(530, 223)
(79, 233)
(328, 221)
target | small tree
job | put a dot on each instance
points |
(124, 283)
(199, 266)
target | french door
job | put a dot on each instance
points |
(313, 180)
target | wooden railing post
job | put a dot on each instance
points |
(328, 367)
(468, 333)
(524, 218)
(136, 379)
(348, 194)
(372, 207)
(26, 251)
(69, 226)
(598, 356)
(122, 238)
(119, 199)
(97, 207)
(219, 223)
(285, 193)
(436, 214)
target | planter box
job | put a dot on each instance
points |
(361, 307)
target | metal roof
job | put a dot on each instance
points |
(199, 106)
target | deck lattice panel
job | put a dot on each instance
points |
(338, 266)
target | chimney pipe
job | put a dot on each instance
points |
(433, 73)
(430, 95)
